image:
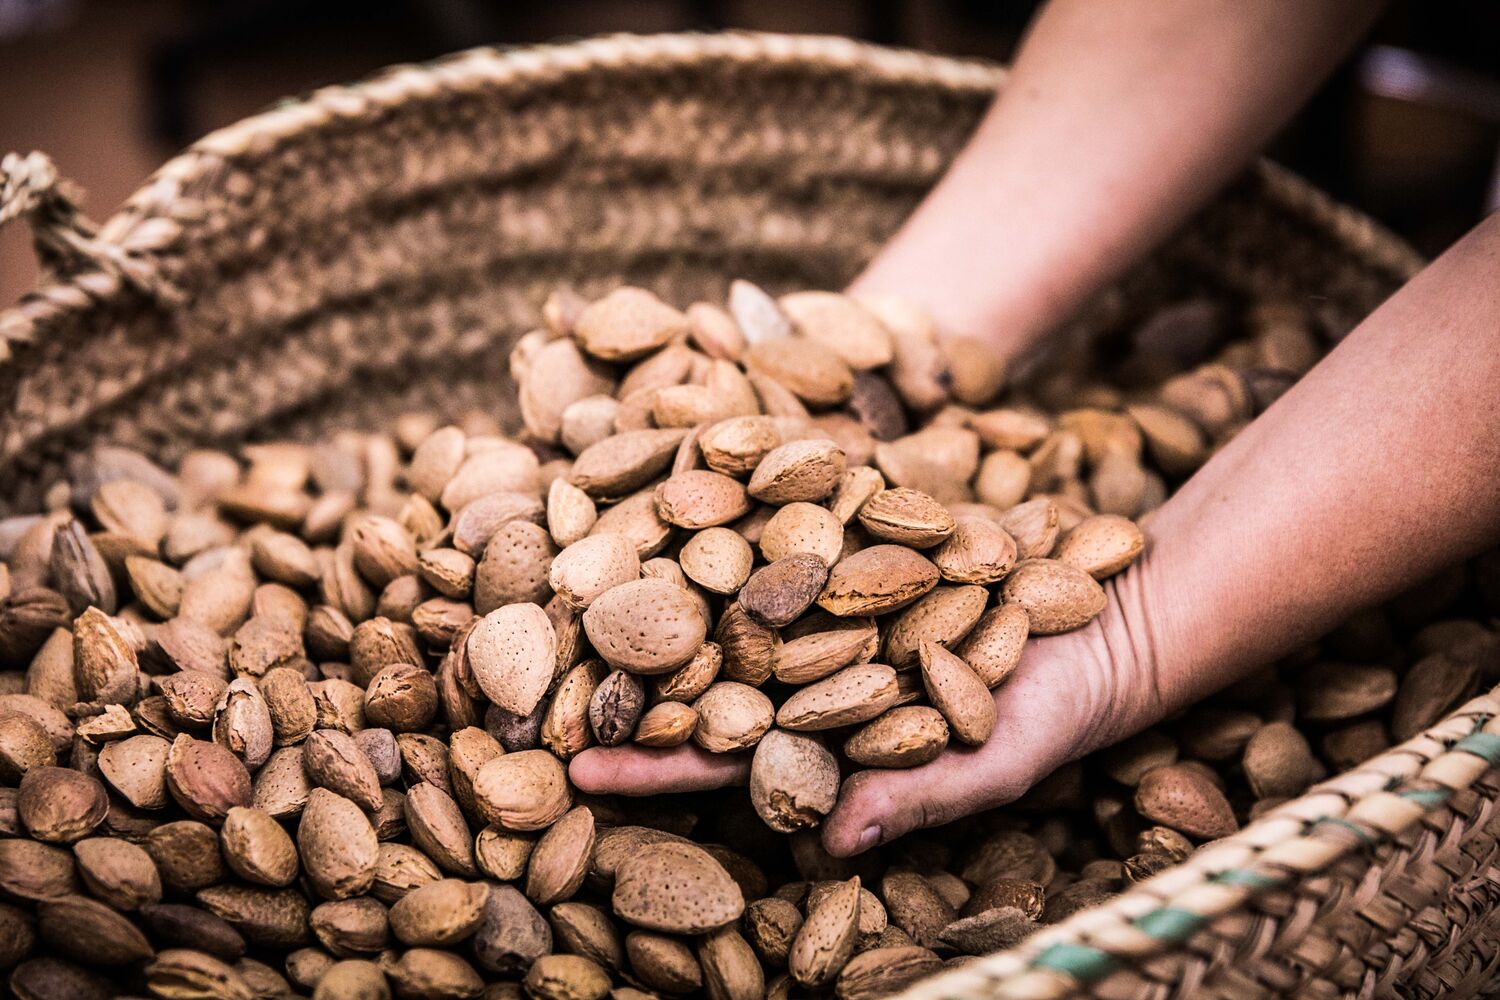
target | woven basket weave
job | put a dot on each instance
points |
(377, 247)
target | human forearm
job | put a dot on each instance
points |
(1119, 119)
(1375, 471)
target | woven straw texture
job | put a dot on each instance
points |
(378, 247)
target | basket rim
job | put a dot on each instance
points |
(1357, 810)
(156, 217)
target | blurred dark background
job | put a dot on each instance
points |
(1408, 129)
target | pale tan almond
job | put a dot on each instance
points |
(512, 653)
(802, 527)
(794, 781)
(979, 551)
(904, 736)
(731, 716)
(714, 331)
(814, 373)
(1101, 545)
(805, 470)
(993, 647)
(592, 565)
(959, 693)
(668, 724)
(557, 376)
(827, 938)
(620, 465)
(627, 324)
(876, 580)
(852, 695)
(1057, 597)
(647, 626)
(944, 617)
(522, 791)
(841, 324)
(701, 499)
(717, 559)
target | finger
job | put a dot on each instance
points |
(642, 771)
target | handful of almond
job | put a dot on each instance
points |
(313, 702)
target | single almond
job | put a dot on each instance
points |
(959, 693)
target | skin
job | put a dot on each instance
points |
(1375, 470)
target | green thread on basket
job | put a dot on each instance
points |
(1246, 877)
(1077, 960)
(1485, 746)
(1427, 798)
(1169, 923)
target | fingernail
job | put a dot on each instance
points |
(869, 838)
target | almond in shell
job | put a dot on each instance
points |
(904, 736)
(852, 695)
(959, 693)
(646, 626)
(677, 888)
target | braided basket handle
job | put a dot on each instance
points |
(66, 240)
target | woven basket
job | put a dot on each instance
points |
(377, 247)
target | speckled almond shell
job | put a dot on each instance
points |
(812, 656)
(523, 791)
(514, 567)
(338, 846)
(1101, 545)
(958, 692)
(334, 761)
(827, 937)
(622, 464)
(136, 768)
(794, 781)
(512, 653)
(904, 736)
(1057, 597)
(627, 324)
(646, 626)
(994, 646)
(814, 373)
(205, 779)
(979, 551)
(560, 859)
(841, 324)
(1184, 799)
(802, 527)
(717, 559)
(592, 565)
(944, 616)
(736, 446)
(777, 594)
(677, 888)
(1034, 526)
(907, 517)
(731, 716)
(700, 498)
(876, 580)
(804, 470)
(853, 695)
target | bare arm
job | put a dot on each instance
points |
(1119, 120)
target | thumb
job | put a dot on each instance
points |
(875, 807)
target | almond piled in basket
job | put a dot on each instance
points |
(296, 720)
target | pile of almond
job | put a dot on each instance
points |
(296, 720)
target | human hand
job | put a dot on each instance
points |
(1069, 695)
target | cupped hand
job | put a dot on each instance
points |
(1069, 695)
